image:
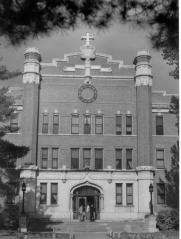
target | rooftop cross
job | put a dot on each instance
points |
(87, 37)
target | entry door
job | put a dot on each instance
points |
(83, 202)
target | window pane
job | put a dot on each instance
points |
(98, 124)
(86, 153)
(54, 190)
(45, 129)
(54, 187)
(159, 125)
(129, 153)
(45, 118)
(55, 163)
(118, 120)
(118, 124)
(87, 124)
(128, 124)
(129, 159)
(118, 193)
(118, 199)
(75, 119)
(99, 120)
(44, 152)
(160, 154)
(119, 188)
(74, 158)
(55, 153)
(160, 193)
(129, 194)
(75, 153)
(128, 120)
(75, 124)
(55, 119)
(14, 124)
(98, 153)
(118, 153)
(98, 158)
(118, 159)
(99, 129)
(43, 193)
(86, 158)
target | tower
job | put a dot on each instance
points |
(31, 80)
(143, 82)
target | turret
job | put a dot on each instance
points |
(31, 80)
(143, 83)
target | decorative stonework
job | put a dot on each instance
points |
(31, 78)
(143, 80)
(87, 93)
(145, 168)
(29, 172)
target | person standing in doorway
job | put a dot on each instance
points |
(92, 213)
(80, 213)
(88, 212)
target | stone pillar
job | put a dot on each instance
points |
(143, 83)
(29, 176)
(145, 177)
(31, 81)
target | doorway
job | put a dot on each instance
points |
(83, 196)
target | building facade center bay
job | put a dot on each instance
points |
(97, 134)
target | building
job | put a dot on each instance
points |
(97, 133)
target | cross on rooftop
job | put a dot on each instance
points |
(87, 37)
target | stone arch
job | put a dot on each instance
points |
(86, 183)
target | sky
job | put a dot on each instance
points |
(121, 41)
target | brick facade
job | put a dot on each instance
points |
(120, 90)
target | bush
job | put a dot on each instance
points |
(168, 220)
(9, 217)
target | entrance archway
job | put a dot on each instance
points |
(86, 195)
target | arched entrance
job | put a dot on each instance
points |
(86, 195)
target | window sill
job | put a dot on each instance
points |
(127, 206)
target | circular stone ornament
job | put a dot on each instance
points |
(87, 93)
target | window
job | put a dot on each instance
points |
(54, 193)
(44, 157)
(118, 124)
(43, 193)
(129, 163)
(55, 123)
(45, 123)
(14, 124)
(87, 124)
(159, 125)
(74, 158)
(160, 193)
(75, 124)
(119, 194)
(86, 158)
(99, 124)
(160, 158)
(54, 158)
(118, 155)
(98, 158)
(129, 194)
(128, 124)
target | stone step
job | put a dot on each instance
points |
(90, 235)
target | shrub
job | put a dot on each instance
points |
(9, 217)
(168, 220)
